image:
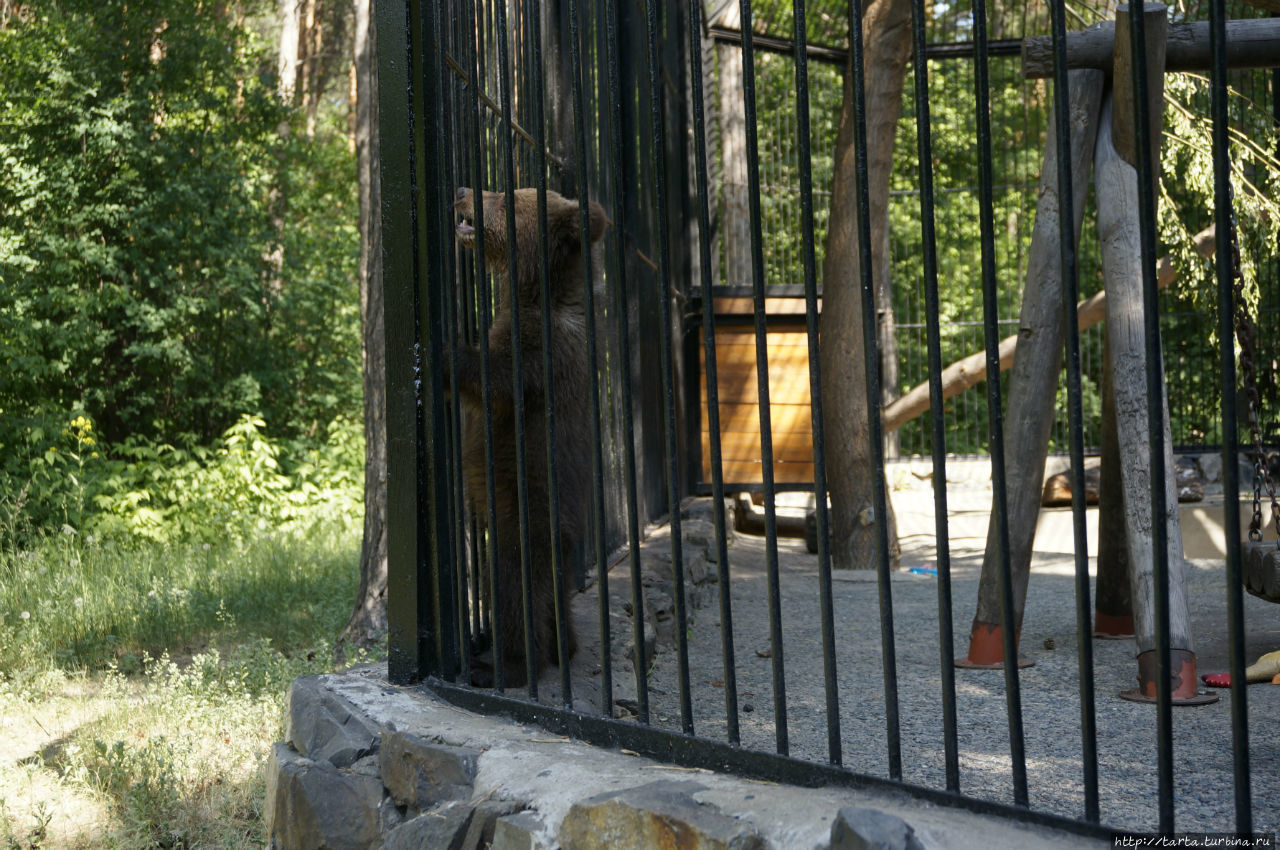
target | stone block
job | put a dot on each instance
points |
(325, 727)
(441, 828)
(660, 814)
(871, 829)
(518, 832)
(314, 804)
(484, 821)
(420, 774)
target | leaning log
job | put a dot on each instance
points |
(1250, 44)
(970, 371)
(1041, 327)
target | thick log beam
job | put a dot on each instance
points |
(970, 371)
(1250, 44)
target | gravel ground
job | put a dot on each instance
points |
(1126, 738)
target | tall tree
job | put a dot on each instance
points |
(368, 623)
(886, 31)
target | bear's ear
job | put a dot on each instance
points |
(599, 221)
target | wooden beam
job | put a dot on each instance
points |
(963, 374)
(1250, 44)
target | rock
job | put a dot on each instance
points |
(1189, 480)
(314, 804)
(518, 832)
(871, 829)
(324, 727)
(420, 774)
(484, 821)
(660, 814)
(442, 828)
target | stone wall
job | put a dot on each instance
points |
(369, 765)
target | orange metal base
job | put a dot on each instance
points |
(1112, 626)
(1183, 689)
(986, 649)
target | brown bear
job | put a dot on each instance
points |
(571, 374)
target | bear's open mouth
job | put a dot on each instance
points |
(466, 230)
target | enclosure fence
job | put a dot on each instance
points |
(562, 379)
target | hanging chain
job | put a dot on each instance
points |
(1244, 335)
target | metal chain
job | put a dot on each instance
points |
(1244, 335)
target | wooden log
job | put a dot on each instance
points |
(1041, 328)
(1250, 44)
(1124, 132)
(1116, 185)
(971, 370)
(1113, 601)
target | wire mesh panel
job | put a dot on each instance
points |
(643, 256)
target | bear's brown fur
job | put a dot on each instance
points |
(571, 388)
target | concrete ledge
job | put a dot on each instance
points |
(371, 765)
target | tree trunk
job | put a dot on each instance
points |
(368, 624)
(886, 30)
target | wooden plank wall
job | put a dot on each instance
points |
(789, 400)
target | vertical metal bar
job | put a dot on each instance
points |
(946, 642)
(593, 360)
(406, 660)
(834, 754)
(548, 362)
(762, 381)
(485, 298)
(1224, 223)
(613, 125)
(452, 312)
(875, 429)
(710, 373)
(658, 142)
(991, 317)
(517, 360)
(1070, 294)
(1155, 408)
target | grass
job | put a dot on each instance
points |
(141, 687)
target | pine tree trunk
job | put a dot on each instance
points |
(368, 624)
(887, 37)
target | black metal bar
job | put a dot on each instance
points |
(1224, 223)
(762, 382)
(1070, 294)
(406, 661)
(688, 751)
(517, 360)
(946, 641)
(1155, 408)
(485, 307)
(875, 429)
(832, 55)
(613, 125)
(658, 142)
(593, 359)
(990, 305)
(548, 362)
(834, 754)
(432, 310)
(727, 654)
(453, 310)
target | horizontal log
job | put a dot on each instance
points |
(963, 374)
(1250, 44)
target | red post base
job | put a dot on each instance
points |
(1183, 689)
(1112, 626)
(986, 648)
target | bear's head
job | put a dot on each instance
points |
(564, 229)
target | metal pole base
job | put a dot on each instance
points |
(1183, 689)
(986, 649)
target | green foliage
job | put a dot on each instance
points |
(169, 258)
